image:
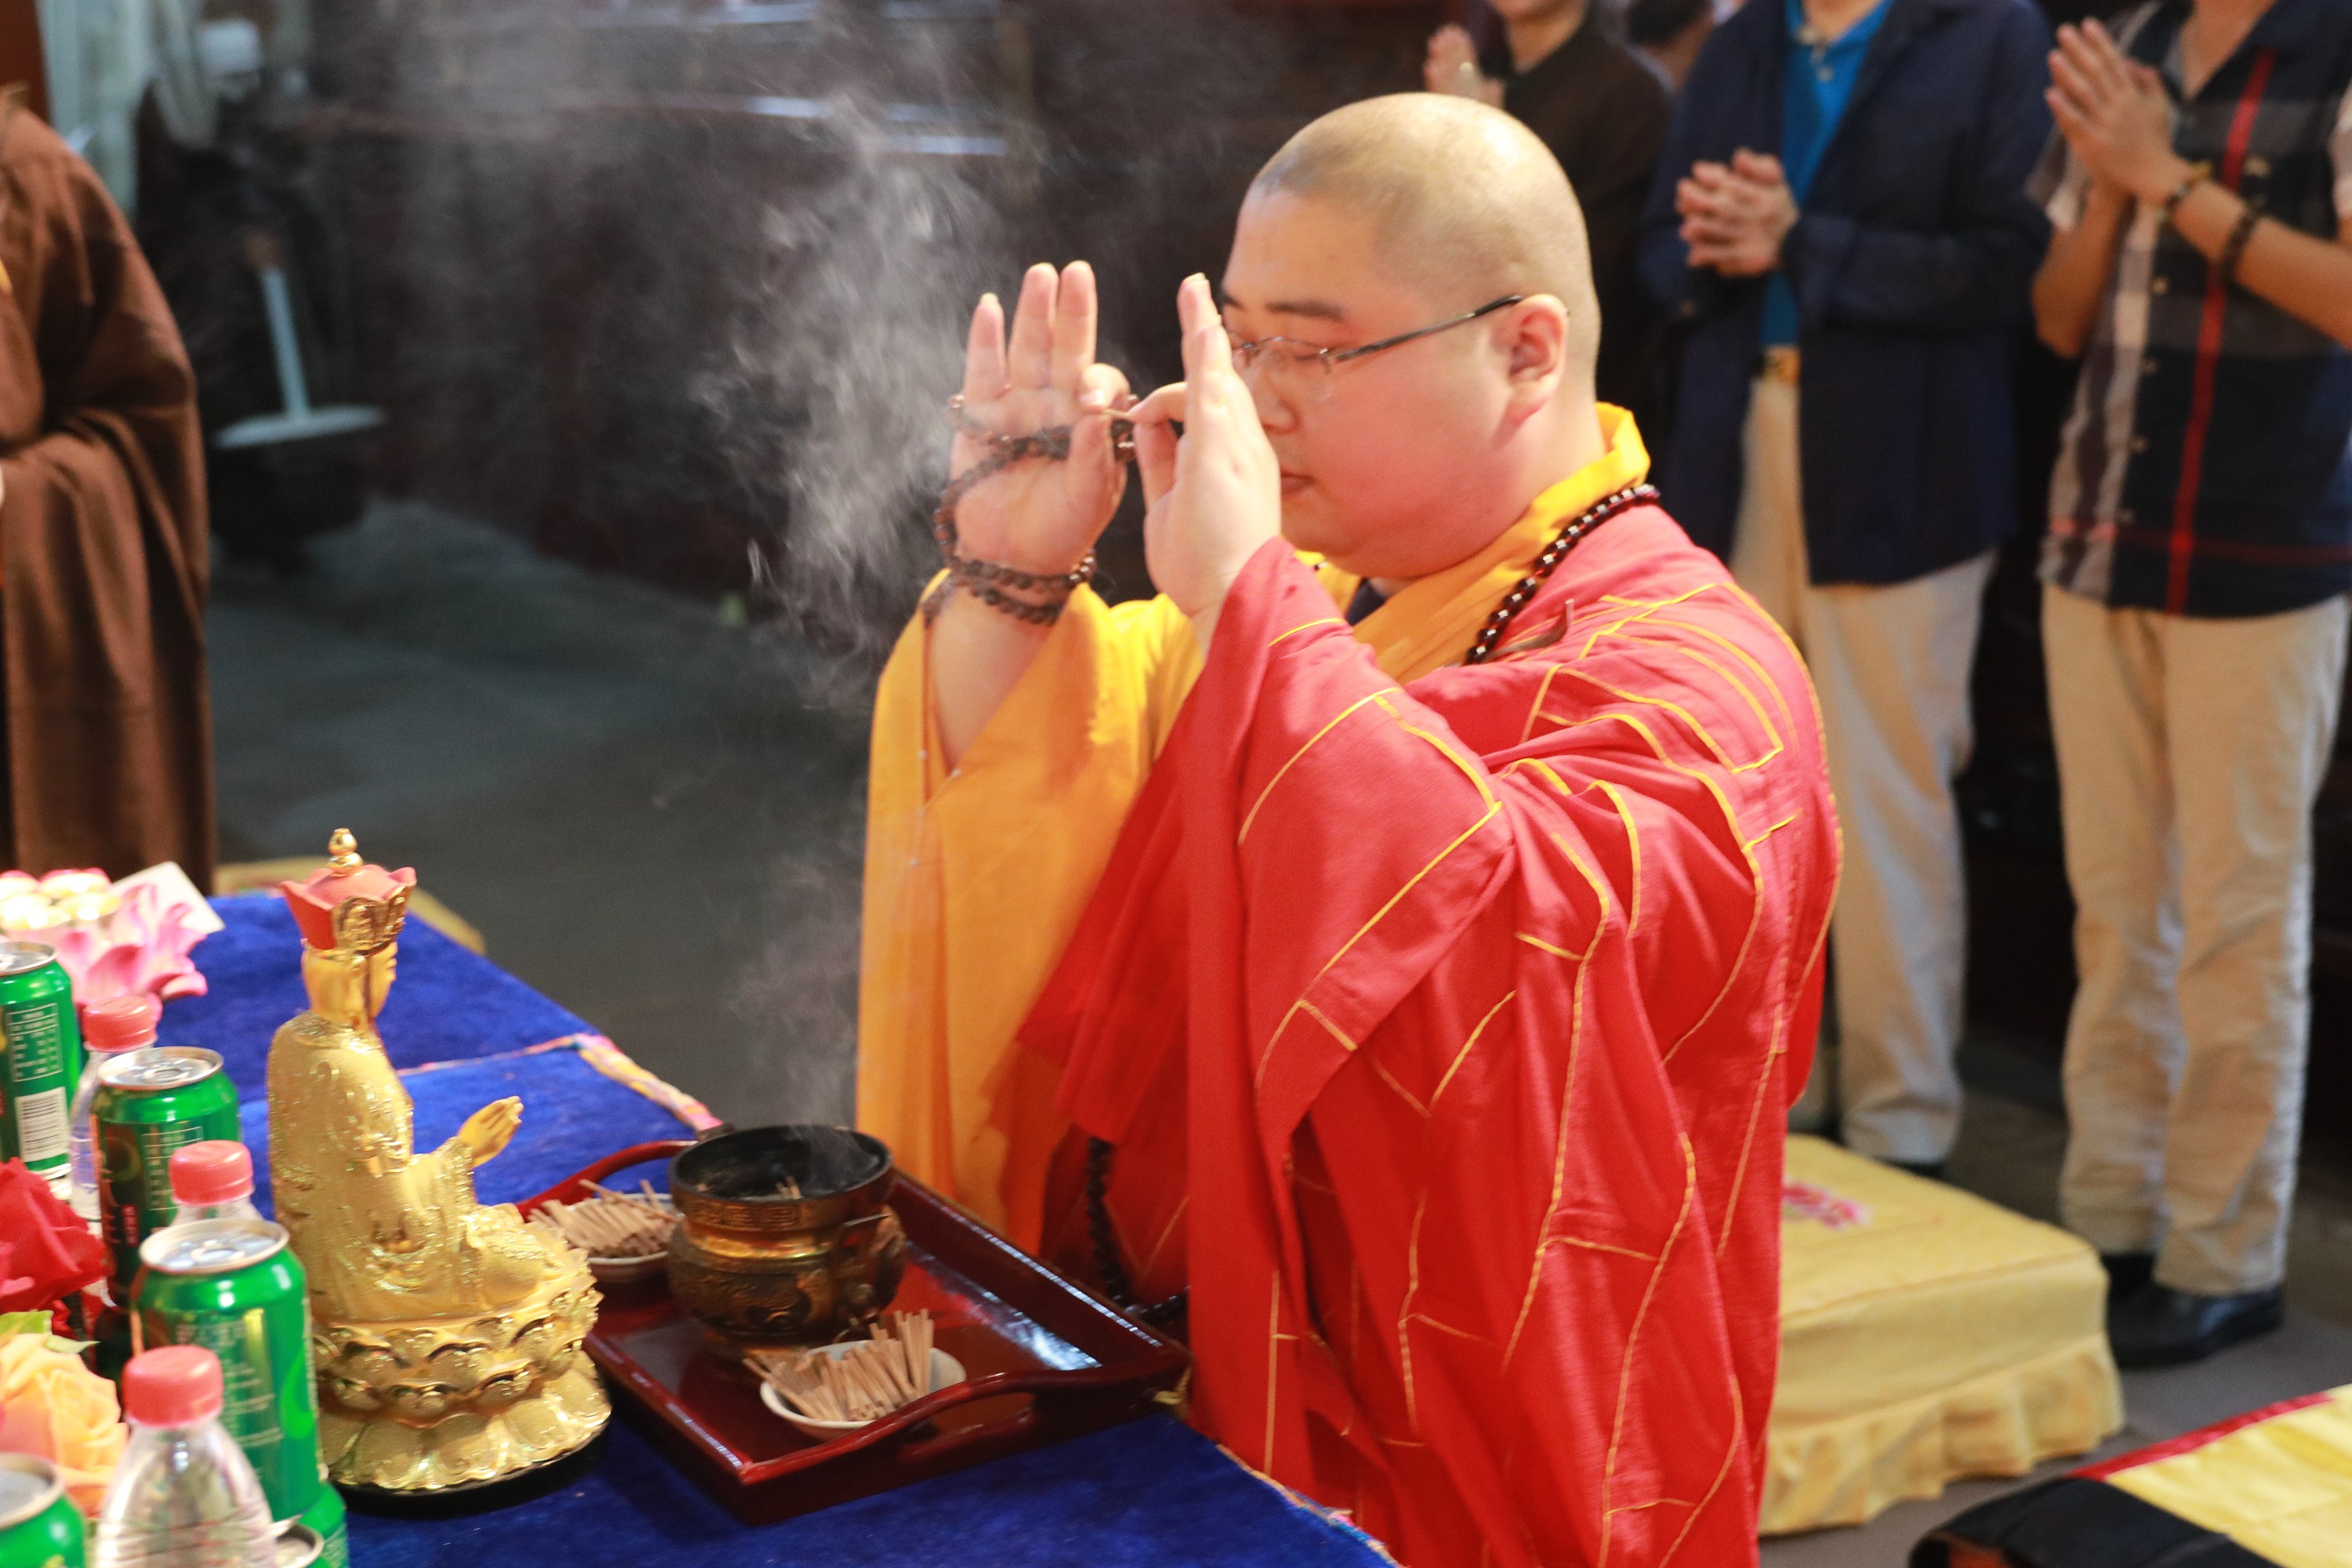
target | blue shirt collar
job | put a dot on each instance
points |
(1854, 40)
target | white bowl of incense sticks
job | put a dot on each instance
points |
(841, 1387)
(624, 1234)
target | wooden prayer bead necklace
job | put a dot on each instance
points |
(1107, 1262)
(1490, 635)
(1115, 1282)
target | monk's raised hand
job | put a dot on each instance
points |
(1040, 516)
(1214, 494)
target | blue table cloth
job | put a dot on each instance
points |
(464, 1033)
(572, 1114)
(447, 1004)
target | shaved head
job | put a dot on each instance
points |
(1421, 430)
(1466, 204)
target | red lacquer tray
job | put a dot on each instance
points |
(1046, 1361)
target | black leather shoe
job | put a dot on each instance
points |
(2159, 1326)
(2126, 1272)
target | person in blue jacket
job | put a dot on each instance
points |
(1840, 227)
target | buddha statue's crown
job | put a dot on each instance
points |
(348, 904)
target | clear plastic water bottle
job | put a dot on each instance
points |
(183, 1495)
(116, 1024)
(213, 1179)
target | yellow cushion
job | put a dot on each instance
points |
(1925, 1336)
(2281, 1488)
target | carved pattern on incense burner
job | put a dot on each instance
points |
(809, 1285)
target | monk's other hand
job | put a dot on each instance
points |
(1040, 516)
(2114, 113)
(1215, 493)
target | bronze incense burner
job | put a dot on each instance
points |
(784, 1236)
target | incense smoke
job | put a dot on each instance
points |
(681, 287)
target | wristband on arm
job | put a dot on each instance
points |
(2198, 175)
(2233, 249)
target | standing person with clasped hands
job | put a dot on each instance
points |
(1840, 225)
(2194, 619)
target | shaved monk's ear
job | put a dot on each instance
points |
(1534, 337)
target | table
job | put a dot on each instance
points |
(464, 1032)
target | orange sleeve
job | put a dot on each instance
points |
(974, 879)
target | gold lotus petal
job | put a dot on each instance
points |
(387, 1455)
(579, 1396)
(337, 1433)
(540, 1426)
(469, 1446)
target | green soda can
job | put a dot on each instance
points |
(298, 1546)
(233, 1286)
(40, 1058)
(150, 1102)
(40, 1526)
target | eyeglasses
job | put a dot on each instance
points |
(1302, 366)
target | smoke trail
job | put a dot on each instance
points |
(798, 997)
(659, 278)
(851, 334)
(828, 404)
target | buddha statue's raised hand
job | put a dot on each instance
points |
(488, 1130)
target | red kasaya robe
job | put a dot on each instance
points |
(1445, 1034)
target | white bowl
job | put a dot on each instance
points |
(629, 1271)
(946, 1373)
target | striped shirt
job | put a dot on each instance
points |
(2206, 467)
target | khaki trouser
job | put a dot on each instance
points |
(2189, 753)
(1890, 666)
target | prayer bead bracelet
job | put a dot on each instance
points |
(2233, 249)
(988, 580)
(1037, 612)
(2198, 175)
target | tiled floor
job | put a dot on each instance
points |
(657, 819)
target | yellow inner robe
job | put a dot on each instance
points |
(976, 876)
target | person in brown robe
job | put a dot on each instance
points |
(103, 562)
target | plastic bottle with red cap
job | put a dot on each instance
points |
(183, 1494)
(109, 1027)
(213, 1179)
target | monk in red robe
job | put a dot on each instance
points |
(108, 745)
(1411, 919)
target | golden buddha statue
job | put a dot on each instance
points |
(445, 1335)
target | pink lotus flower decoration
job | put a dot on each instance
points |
(142, 947)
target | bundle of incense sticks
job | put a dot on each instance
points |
(863, 1381)
(611, 1223)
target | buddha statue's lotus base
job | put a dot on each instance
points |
(432, 1403)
